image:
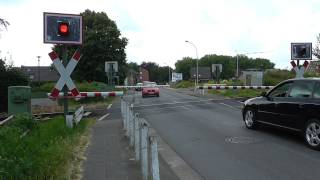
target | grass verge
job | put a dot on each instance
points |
(238, 93)
(50, 150)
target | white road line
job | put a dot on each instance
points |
(174, 103)
(103, 117)
(187, 108)
(109, 106)
(229, 106)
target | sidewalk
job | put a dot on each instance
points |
(109, 156)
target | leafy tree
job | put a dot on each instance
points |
(9, 76)
(156, 73)
(316, 49)
(183, 66)
(4, 23)
(228, 64)
(102, 42)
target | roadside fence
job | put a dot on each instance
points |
(144, 143)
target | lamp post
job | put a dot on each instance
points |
(244, 54)
(38, 70)
(197, 74)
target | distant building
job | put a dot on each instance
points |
(143, 75)
(252, 77)
(41, 73)
(203, 72)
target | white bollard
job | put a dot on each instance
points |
(154, 158)
(137, 137)
(131, 126)
(69, 121)
(144, 151)
(127, 120)
(124, 115)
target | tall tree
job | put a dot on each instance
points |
(183, 66)
(102, 42)
(4, 23)
(316, 49)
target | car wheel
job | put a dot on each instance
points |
(250, 119)
(312, 134)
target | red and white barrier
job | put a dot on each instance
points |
(90, 94)
(142, 86)
(235, 87)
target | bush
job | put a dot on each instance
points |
(184, 84)
(44, 153)
(273, 77)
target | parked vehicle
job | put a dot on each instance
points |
(139, 88)
(150, 90)
(293, 104)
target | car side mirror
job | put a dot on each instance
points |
(263, 94)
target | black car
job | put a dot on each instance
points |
(293, 104)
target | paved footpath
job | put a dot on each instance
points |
(109, 156)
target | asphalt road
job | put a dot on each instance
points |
(211, 137)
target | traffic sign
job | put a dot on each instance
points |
(65, 73)
(62, 28)
(301, 51)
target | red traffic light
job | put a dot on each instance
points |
(63, 28)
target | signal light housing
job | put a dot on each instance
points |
(63, 28)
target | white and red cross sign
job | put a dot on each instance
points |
(299, 70)
(65, 73)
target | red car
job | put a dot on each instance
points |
(150, 90)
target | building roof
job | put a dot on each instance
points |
(204, 73)
(42, 73)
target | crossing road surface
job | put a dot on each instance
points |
(211, 137)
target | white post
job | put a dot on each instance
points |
(131, 126)
(125, 115)
(127, 120)
(144, 151)
(69, 121)
(154, 158)
(137, 137)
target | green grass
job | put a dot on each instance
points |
(184, 84)
(46, 152)
(238, 93)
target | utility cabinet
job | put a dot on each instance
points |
(19, 100)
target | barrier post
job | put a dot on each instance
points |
(137, 137)
(131, 126)
(144, 151)
(154, 158)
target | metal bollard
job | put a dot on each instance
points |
(144, 151)
(127, 119)
(137, 136)
(154, 158)
(124, 115)
(131, 126)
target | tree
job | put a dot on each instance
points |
(228, 64)
(4, 23)
(156, 73)
(316, 50)
(102, 42)
(183, 66)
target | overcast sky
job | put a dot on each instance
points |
(157, 29)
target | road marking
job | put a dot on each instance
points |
(109, 106)
(174, 103)
(229, 106)
(187, 108)
(103, 117)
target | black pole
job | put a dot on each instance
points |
(65, 88)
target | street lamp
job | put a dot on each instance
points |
(38, 70)
(244, 54)
(196, 83)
